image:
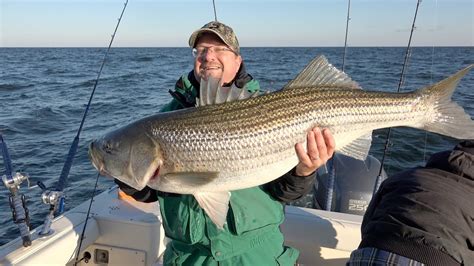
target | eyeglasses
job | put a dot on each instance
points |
(200, 50)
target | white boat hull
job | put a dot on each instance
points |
(129, 233)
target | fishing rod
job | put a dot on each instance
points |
(435, 26)
(17, 199)
(347, 30)
(81, 239)
(55, 198)
(378, 181)
(332, 174)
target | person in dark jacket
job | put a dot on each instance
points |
(251, 235)
(424, 215)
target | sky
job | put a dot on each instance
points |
(167, 23)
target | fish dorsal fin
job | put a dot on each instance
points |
(358, 148)
(211, 92)
(208, 91)
(320, 73)
(215, 204)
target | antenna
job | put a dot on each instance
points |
(215, 13)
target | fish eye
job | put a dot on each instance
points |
(107, 147)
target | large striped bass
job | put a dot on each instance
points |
(218, 147)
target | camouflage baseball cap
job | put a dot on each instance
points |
(224, 32)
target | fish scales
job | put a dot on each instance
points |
(269, 126)
(216, 148)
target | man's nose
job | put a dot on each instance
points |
(208, 55)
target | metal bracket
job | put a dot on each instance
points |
(18, 205)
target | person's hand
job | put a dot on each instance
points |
(319, 149)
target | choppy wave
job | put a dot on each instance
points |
(14, 86)
(53, 71)
(144, 59)
(84, 84)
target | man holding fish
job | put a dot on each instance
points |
(251, 234)
(222, 170)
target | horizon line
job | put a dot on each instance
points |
(293, 46)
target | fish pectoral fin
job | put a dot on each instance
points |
(358, 148)
(320, 73)
(191, 178)
(215, 204)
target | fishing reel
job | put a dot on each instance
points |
(15, 181)
(51, 197)
(13, 184)
(55, 200)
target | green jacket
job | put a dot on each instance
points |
(251, 235)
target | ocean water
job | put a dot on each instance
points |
(44, 91)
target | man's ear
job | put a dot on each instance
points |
(239, 58)
(238, 61)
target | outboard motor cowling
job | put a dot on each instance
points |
(354, 182)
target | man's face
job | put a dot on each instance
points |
(216, 60)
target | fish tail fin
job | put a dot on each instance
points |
(449, 118)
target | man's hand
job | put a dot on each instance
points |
(319, 148)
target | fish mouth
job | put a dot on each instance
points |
(96, 159)
(155, 175)
(152, 175)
